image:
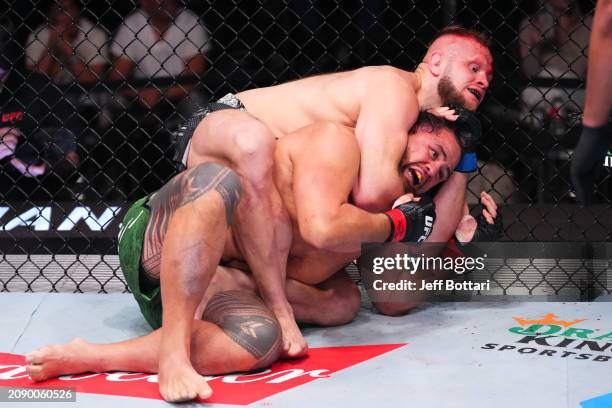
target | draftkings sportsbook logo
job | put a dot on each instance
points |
(549, 337)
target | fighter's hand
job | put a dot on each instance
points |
(487, 228)
(490, 208)
(469, 131)
(444, 112)
(406, 198)
(8, 141)
(412, 221)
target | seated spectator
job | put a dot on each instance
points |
(32, 150)
(160, 40)
(65, 56)
(552, 44)
(10, 135)
(68, 48)
(27, 147)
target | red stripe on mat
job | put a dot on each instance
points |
(229, 389)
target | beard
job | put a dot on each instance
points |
(449, 94)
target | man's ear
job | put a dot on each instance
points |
(435, 63)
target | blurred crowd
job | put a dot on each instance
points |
(96, 111)
(89, 110)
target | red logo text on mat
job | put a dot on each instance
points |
(239, 389)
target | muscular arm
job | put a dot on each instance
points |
(324, 172)
(389, 109)
(595, 139)
(450, 203)
(599, 75)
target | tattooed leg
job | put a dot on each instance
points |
(248, 322)
(183, 245)
(263, 226)
(242, 335)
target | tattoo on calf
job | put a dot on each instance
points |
(247, 321)
(181, 190)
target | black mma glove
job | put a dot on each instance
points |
(412, 222)
(486, 232)
(588, 160)
(468, 130)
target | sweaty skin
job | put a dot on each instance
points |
(380, 103)
(598, 102)
(325, 152)
(314, 171)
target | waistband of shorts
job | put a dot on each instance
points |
(232, 101)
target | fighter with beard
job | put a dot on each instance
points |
(381, 103)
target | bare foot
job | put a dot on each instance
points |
(180, 382)
(294, 345)
(52, 361)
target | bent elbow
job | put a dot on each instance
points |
(373, 202)
(319, 234)
(376, 195)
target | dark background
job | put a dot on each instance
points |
(261, 43)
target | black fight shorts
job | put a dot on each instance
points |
(185, 132)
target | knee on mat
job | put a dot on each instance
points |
(342, 306)
(394, 308)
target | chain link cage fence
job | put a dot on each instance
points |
(94, 139)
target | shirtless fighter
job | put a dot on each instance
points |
(381, 103)
(186, 224)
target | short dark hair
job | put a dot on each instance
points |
(434, 123)
(460, 31)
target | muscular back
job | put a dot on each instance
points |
(307, 263)
(336, 97)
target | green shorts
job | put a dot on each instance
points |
(131, 238)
